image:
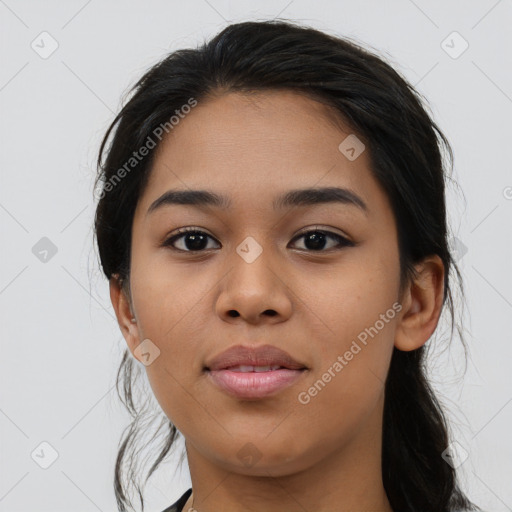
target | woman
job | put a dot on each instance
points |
(272, 223)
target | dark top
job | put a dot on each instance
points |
(178, 506)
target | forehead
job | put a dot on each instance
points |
(256, 146)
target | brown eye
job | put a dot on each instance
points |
(316, 240)
(193, 240)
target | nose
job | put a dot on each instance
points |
(254, 290)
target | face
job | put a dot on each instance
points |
(321, 281)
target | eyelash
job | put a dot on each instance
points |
(343, 242)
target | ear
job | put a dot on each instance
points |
(123, 309)
(422, 303)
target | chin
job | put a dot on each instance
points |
(265, 459)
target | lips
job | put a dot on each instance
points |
(254, 373)
(262, 358)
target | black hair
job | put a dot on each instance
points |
(410, 158)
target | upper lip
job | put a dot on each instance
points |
(264, 355)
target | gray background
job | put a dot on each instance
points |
(61, 344)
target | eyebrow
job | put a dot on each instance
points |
(301, 197)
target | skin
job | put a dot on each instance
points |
(324, 455)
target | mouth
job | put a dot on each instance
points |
(262, 358)
(249, 372)
(254, 382)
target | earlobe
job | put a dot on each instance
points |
(125, 317)
(421, 305)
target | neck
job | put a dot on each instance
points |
(346, 479)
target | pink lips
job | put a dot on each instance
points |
(276, 370)
(254, 384)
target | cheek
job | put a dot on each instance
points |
(347, 384)
(171, 315)
(353, 332)
(168, 301)
(350, 304)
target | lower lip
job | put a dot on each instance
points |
(254, 384)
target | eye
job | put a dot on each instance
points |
(195, 240)
(316, 239)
